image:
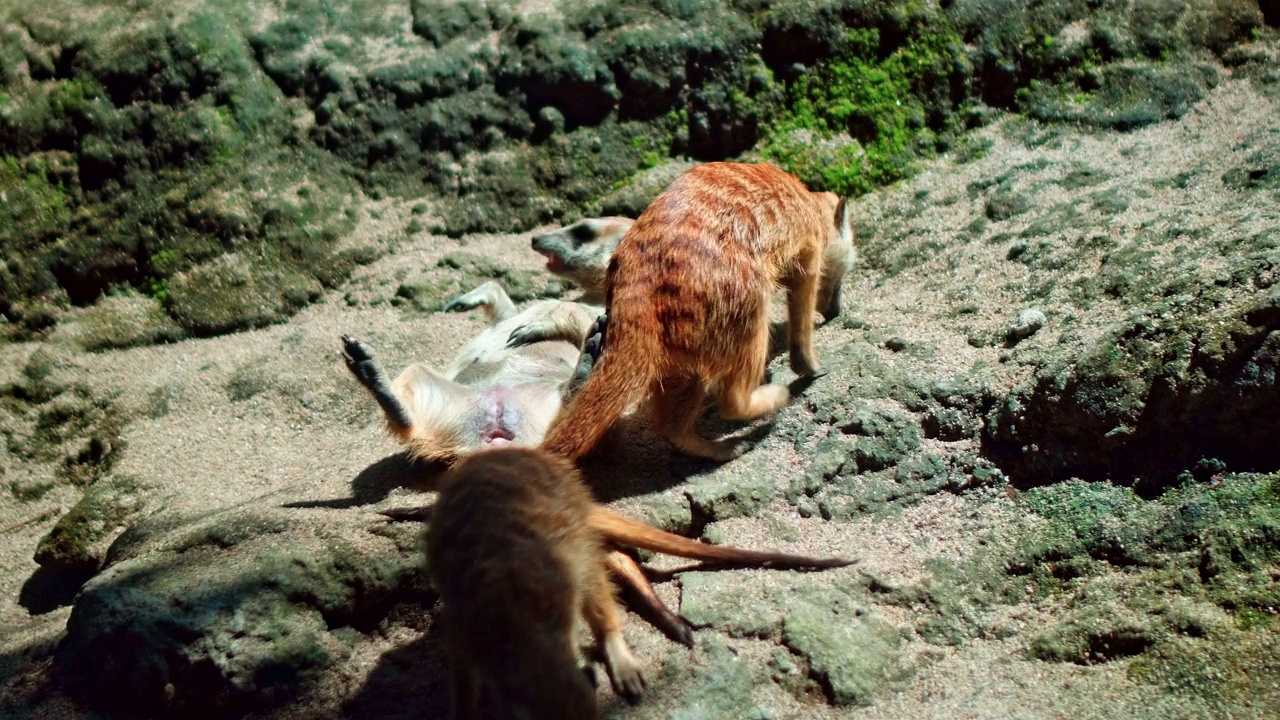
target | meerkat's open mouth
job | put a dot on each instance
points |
(555, 263)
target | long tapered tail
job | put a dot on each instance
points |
(625, 531)
(628, 364)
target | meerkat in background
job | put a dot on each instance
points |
(516, 562)
(580, 253)
(688, 292)
(503, 388)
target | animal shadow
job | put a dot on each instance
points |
(410, 682)
(376, 482)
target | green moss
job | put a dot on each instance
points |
(884, 96)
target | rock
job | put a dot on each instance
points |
(236, 292)
(631, 199)
(1097, 634)
(734, 490)
(1025, 325)
(723, 682)
(80, 539)
(235, 611)
(716, 600)
(119, 321)
(850, 651)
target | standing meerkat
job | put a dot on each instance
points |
(516, 562)
(688, 304)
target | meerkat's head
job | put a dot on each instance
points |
(839, 256)
(580, 252)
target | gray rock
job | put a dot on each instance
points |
(724, 682)
(734, 490)
(717, 600)
(1025, 325)
(233, 612)
(850, 651)
(80, 539)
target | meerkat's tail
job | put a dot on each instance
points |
(625, 531)
(628, 364)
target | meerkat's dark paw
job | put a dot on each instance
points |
(596, 332)
(461, 303)
(805, 365)
(359, 359)
(360, 362)
(532, 333)
(591, 348)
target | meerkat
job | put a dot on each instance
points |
(688, 292)
(503, 388)
(580, 253)
(516, 562)
(517, 548)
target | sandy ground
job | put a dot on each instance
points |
(310, 432)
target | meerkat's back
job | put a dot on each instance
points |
(515, 561)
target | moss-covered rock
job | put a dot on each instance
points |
(121, 320)
(850, 650)
(1116, 409)
(230, 613)
(79, 540)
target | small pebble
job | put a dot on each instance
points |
(1026, 324)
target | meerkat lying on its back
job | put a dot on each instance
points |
(516, 562)
(688, 299)
(580, 253)
(503, 388)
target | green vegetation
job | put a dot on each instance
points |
(884, 98)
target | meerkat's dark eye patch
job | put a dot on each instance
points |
(583, 232)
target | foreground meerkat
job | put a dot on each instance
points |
(580, 253)
(516, 562)
(688, 304)
(517, 548)
(503, 388)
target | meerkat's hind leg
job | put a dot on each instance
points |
(677, 403)
(802, 300)
(601, 612)
(361, 364)
(641, 598)
(490, 298)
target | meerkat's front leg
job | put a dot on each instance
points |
(591, 348)
(490, 298)
(568, 321)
